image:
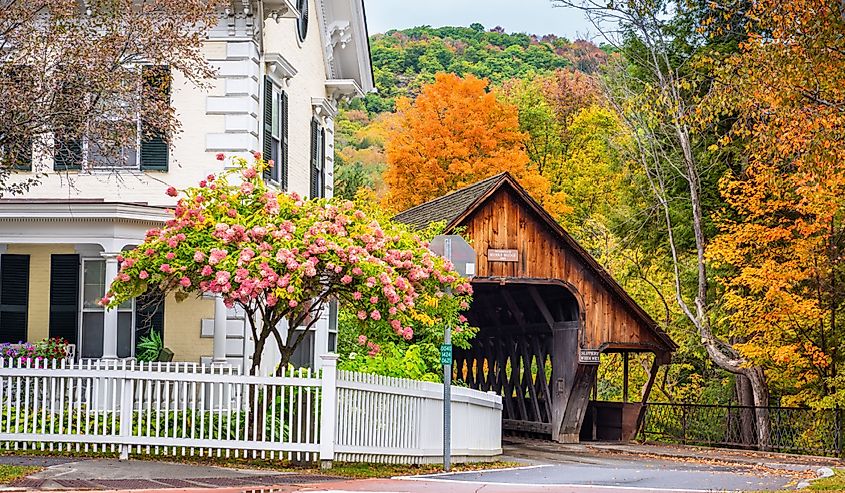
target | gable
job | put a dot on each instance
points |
(504, 220)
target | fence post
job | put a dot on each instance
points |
(684, 424)
(837, 423)
(328, 410)
(127, 400)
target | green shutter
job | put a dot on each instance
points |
(67, 153)
(267, 134)
(64, 296)
(17, 151)
(155, 150)
(315, 149)
(14, 297)
(321, 171)
(283, 157)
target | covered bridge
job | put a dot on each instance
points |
(546, 310)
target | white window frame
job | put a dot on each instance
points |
(99, 309)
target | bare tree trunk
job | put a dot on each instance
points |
(745, 397)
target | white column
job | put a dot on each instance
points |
(220, 321)
(110, 317)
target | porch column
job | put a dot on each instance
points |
(110, 316)
(220, 321)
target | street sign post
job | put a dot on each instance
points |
(460, 253)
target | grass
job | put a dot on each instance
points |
(11, 473)
(833, 483)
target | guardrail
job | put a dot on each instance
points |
(793, 429)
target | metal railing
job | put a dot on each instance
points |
(793, 429)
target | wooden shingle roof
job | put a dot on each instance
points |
(450, 206)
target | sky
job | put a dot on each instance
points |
(529, 16)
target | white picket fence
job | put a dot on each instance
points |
(383, 419)
(186, 409)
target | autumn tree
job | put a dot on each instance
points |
(782, 237)
(658, 96)
(455, 133)
(282, 259)
(72, 72)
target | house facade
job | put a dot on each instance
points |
(283, 66)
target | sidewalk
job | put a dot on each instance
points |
(530, 449)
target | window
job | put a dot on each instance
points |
(275, 136)
(302, 21)
(93, 315)
(151, 149)
(318, 160)
(332, 327)
(14, 297)
(15, 138)
(303, 355)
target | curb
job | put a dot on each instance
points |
(823, 472)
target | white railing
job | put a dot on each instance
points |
(186, 409)
(383, 419)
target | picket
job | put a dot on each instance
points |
(184, 409)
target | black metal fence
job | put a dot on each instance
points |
(793, 429)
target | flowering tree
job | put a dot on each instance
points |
(283, 258)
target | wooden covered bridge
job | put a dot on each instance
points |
(546, 310)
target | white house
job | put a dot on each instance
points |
(283, 66)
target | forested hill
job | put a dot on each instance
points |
(404, 60)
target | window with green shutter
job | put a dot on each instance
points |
(64, 296)
(317, 137)
(267, 143)
(282, 163)
(14, 297)
(155, 150)
(15, 139)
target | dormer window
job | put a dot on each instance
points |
(302, 21)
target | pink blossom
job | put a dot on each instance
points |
(292, 303)
(374, 299)
(362, 315)
(249, 173)
(462, 318)
(362, 339)
(256, 155)
(207, 270)
(346, 279)
(185, 282)
(166, 268)
(199, 256)
(171, 191)
(143, 274)
(357, 295)
(375, 315)
(170, 255)
(123, 277)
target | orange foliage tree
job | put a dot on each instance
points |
(454, 133)
(782, 239)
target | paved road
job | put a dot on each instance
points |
(549, 468)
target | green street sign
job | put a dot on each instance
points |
(445, 354)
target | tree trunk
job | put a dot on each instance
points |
(760, 391)
(745, 397)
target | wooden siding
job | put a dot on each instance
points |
(504, 222)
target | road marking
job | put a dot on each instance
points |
(554, 485)
(437, 474)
